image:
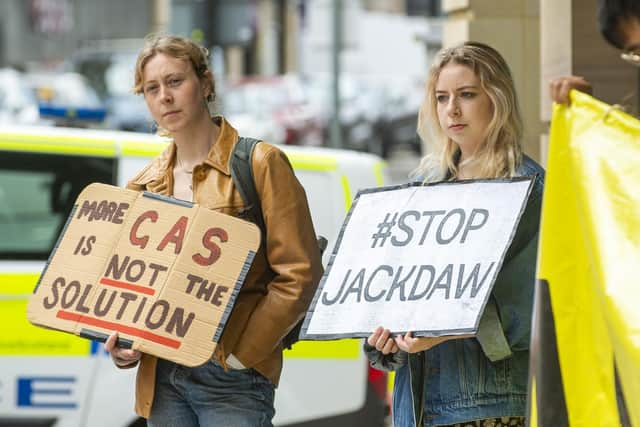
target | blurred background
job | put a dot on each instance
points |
(338, 73)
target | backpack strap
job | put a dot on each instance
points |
(242, 175)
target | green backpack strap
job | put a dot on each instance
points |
(242, 175)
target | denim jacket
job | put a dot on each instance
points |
(485, 376)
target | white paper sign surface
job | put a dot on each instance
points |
(417, 258)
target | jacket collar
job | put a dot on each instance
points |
(219, 155)
(158, 175)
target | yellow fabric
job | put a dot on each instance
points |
(590, 253)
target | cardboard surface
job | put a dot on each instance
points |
(417, 258)
(163, 272)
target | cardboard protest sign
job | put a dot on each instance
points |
(417, 258)
(163, 272)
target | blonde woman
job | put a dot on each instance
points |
(236, 387)
(471, 121)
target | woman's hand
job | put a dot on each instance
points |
(414, 345)
(559, 88)
(122, 357)
(381, 339)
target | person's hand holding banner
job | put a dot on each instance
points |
(122, 357)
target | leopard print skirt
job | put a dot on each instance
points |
(492, 422)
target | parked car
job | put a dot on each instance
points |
(18, 103)
(398, 122)
(360, 108)
(111, 73)
(55, 379)
(281, 100)
(66, 99)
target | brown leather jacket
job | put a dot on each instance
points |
(281, 281)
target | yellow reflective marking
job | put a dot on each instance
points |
(377, 171)
(391, 377)
(347, 192)
(533, 410)
(342, 349)
(312, 162)
(18, 336)
(61, 145)
(17, 284)
(143, 148)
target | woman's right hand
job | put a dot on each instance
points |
(122, 357)
(382, 340)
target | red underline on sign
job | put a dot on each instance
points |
(128, 286)
(149, 336)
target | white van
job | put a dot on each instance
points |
(53, 379)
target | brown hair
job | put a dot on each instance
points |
(501, 153)
(177, 47)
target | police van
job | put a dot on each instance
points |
(49, 378)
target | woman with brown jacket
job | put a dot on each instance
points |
(236, 387)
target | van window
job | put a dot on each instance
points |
(37, 192)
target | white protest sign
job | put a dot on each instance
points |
(417, 258)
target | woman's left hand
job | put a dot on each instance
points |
(414, 345)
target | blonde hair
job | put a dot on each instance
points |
(177, 47)
(501, 153)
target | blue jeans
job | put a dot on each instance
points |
(208, 396)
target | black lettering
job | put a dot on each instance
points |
(90, 241)
(99, 310)
(126, 297)
(475, 289)
(177, 324)
(404, 227)
(443, 282)
(163, 307)
(359, 280)
(114, 270)
(399, 283)
(471, 226)
(217, 295)
(327, 301)
(113, 206)
(117, 217)
(101, 212)
(431, 215)
(131, 275)
(139, 310)
(79, 246)
(413, 296)
(367, 296)
(81, 307)
(87, 209)
(72, 288)
(439, 238)
(205, 290)
(59, 281)
(193, 280)
(156, 269)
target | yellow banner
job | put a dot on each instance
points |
(590, 259)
